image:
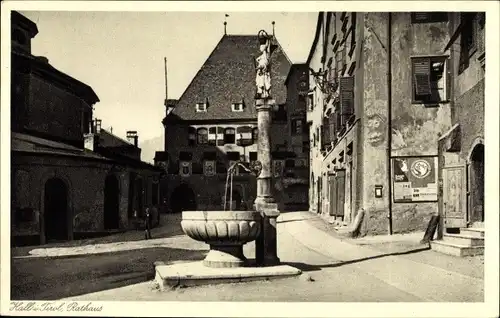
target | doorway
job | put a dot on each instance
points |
(111, 203)
(476, 186)
(182, 199)
(56, 216)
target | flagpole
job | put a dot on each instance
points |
(166, 82)
(225, 23)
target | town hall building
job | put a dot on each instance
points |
(214, 125)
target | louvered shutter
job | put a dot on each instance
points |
(346, 98)
(324, 134)
(421, 74)
(332, 127)
(448, 78)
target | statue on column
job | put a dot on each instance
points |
(263, 76)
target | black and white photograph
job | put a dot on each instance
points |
(237, 158)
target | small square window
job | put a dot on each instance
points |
(237, 107)
(201, 107)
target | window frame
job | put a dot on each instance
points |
(295, 128)
(200, 109)
(234, 109)
(191, 136)
(204, 136)
(446, 78)
(227, 134)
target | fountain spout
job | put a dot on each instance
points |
(229, 182)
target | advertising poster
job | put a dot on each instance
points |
(415, 179)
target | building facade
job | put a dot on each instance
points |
(65, 184)
(461, 149)
(213, 125)
(380, 98)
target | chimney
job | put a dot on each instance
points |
(133, 138)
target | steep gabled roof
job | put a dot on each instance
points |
(228, 76)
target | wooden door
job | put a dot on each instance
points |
(332, 193)
(340, 192)
(454, 196)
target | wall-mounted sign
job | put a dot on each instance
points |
(209, 168)
(415, 179)
(185, 168)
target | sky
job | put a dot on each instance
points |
(121, 54)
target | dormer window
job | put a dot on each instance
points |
(237, 107)
(201, 107)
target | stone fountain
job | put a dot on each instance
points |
(227, 231)
(224, 231)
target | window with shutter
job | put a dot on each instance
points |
(346, 98)
(202, 136)
(353, 34)
(229, 136)
(212, 136)
(421, 74)
(430, 79)
(325, 133)
(468, 39)
(332, 127)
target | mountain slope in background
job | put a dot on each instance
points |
(149, 147)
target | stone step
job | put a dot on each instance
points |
(456, 249)
(472, 231)
(463, 239)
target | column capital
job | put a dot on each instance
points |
(264, 104)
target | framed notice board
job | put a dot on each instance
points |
(415, 179)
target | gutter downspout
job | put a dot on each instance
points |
(389, 119)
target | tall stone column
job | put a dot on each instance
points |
(266, 243)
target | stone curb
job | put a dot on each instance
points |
(195, 274)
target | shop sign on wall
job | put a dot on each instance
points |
(415, 179)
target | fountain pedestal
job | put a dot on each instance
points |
(266, 253)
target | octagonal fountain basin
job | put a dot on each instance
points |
(225, 231)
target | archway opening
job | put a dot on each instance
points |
(182, 199)
(476, 206)
(56, 210)
(111, 203)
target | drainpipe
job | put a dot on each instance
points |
(389, 118)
